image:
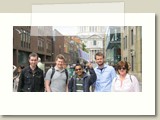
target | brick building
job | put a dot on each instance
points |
(27, 39)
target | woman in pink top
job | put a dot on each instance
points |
(124, 82)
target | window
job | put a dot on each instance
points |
(41, 44)
(125, 42)
(21, 40)
(25, 39)
(115, 34)
(48, 47)
(125, 58)
(132, 63)
(132, 37)
(94, 42)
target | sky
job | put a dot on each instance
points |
(67, 30)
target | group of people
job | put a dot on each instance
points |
(102, 78)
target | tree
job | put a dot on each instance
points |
(84, 48)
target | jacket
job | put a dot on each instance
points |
(31, 82)
(88, 80)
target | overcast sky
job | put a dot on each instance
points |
(67, 30)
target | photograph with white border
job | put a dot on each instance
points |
(103, 103)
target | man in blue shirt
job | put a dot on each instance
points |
(105, 74)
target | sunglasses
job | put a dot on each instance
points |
(123, 68)
(78, 69)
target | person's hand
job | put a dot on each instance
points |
(89, 65)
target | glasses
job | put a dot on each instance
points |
(123, 68)
(78, 69)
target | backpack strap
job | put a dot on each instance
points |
(66, 72)
(53, 71)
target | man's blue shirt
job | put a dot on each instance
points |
(104, 78)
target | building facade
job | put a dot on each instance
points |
(27, 39)
(112, 45)
(93, 38)
(67, 46)
(131, 48)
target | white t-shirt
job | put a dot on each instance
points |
(129, 84)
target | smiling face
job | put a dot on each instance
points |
(122, 67)
(79, 70)
(33, 60)
(60, 63)
(122, 70)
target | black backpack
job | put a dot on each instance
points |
(66, 72)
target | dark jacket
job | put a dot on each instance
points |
(88, 80)
(31, 82)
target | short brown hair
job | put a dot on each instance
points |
(60, 56)
(121, 64)
(99, 54)
(33, 55)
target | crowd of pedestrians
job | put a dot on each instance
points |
(64, 78)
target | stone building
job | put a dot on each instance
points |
(131, 48)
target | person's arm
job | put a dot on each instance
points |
(70, 85)
(42, 83)
(113, 73)
(66, 71)
(93, 75)
(48, 80)
(113, 85)
(47, 86)
(67, 87)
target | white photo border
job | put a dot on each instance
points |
(110, 103)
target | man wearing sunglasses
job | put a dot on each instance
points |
(81, 81)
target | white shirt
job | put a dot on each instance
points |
(129, 84)
(41, 66)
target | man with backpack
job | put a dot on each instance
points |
(56, 79)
